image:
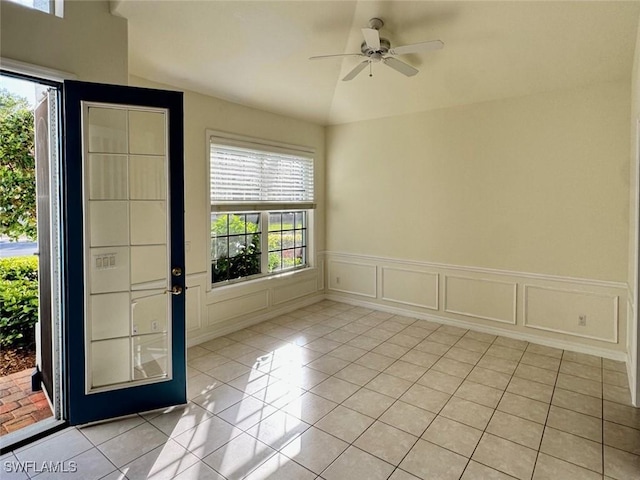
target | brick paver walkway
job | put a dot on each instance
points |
(19, 406)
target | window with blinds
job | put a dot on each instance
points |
(264, 178)
(261, 197)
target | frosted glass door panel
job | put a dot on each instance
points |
(109, 223)
(110, 315)
(148, 223)
(150, 356)
(147, 178)
(148, 264)
(147, 132)
(109, 270)
(149, 314)
(126, 224)
(111, 362)
(107, 130)
(108, 177)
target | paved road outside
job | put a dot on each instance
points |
(17, 249)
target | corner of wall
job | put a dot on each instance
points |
(633, 360)
(88, 41)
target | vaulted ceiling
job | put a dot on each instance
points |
(256, 52)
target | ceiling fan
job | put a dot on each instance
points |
(378, 49)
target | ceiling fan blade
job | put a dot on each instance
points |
(372, 38)
(320, 57)
(401, 67)
(358, 68)
(417, 47)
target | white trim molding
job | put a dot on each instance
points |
(486, 281)
(471, 269)
(389, 296)
(355, 278)
(37, 71)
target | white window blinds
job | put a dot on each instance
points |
(257, 178)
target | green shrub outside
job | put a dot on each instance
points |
(247, 261)
(18, 301)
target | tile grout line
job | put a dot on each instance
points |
(279, 450)
(363, 386)
(544, 427)
(419, 437)
(493, 413)
(438, 414)
(379, 372)
(395, 467)
(352, 443)
(573, 434)
(441, 356)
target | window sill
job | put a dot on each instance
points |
(262, 283)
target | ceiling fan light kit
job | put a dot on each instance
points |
(377, 49)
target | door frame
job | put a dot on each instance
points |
(54, 79)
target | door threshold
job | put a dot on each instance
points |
(29, 434)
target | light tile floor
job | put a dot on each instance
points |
(337, 392)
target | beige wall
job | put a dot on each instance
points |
(535, 184)
(202, 112)
(88, 42)
(224, 309)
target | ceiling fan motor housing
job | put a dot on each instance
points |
(385, 45)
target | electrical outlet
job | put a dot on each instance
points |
(582, 320)
(154, 325)
(135, 329)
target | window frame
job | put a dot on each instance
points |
(54, 7)
(263, 208)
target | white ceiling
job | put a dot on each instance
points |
(256, 52)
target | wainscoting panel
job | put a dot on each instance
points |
(212, 312)
(410, 287)
(290, 292)
(481, 298)
(354, 278)
(233, 307)
(238, 306)
(559, 310)
(529, 306)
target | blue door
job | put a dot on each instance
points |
(123, 237)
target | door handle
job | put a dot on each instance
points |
(175, 290)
